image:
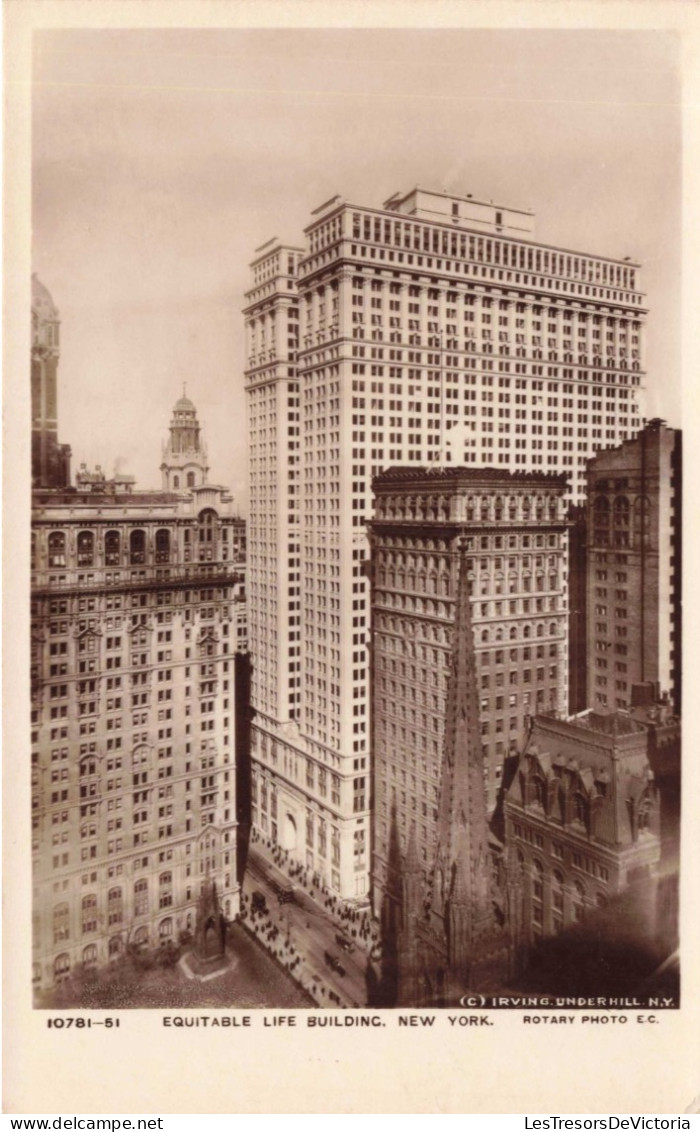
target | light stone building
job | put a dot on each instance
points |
(136, 619)
(435, 329)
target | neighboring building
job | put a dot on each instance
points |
(582, 818)
(50, 460)
(509, 530)
(435, 328)
(634, 569)
(136, 600)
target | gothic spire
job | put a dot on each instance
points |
(462, 844)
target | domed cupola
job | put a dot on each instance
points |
(184, 463)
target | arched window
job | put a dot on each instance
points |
(165, 930)
(580, 809)
(141, 897)
(176, 481)
(112, 548)
(644, 812)
(141, 937)
(90, 955)
(86, 548)
(190, 479)
(61, 967)
(137, 548)
(114, 948)
(162, 546)
(57, 548)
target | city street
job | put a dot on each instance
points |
(312, 932)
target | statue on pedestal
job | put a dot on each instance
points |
(210, 926)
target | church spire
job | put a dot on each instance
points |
(462, 889)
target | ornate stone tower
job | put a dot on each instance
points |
(184, 464)
(50, 460)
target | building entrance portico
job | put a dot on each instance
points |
(289, 833)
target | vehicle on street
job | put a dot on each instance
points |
(334, 963)
(345, 943)
(258, 901)
(284, 890)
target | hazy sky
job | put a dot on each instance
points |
(162, 159)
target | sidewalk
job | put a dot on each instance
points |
(271, 935)
(356, 922)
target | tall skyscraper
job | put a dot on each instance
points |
(634, 569)
(508, 532)
(134, 620)
(50, 460)
(434, 329)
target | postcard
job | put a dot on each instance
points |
(349, 452)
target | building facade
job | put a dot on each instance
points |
(135, 608)
(434, 329)
(582, 818)
(511, 531)
(634, 569)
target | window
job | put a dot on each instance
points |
(57, 548)
(88, 910)
(141, 897)
(162, 546)
(86, 548)
(115, 906)
(112, 548)
(61, 968)
(61, 925)
(137, 548)
(207, 531)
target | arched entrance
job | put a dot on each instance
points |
(288, 839)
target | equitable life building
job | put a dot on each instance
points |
(436, 328)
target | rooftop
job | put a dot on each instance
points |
(451, 473)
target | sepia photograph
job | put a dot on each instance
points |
(355, 512)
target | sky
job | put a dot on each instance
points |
(163, 158)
